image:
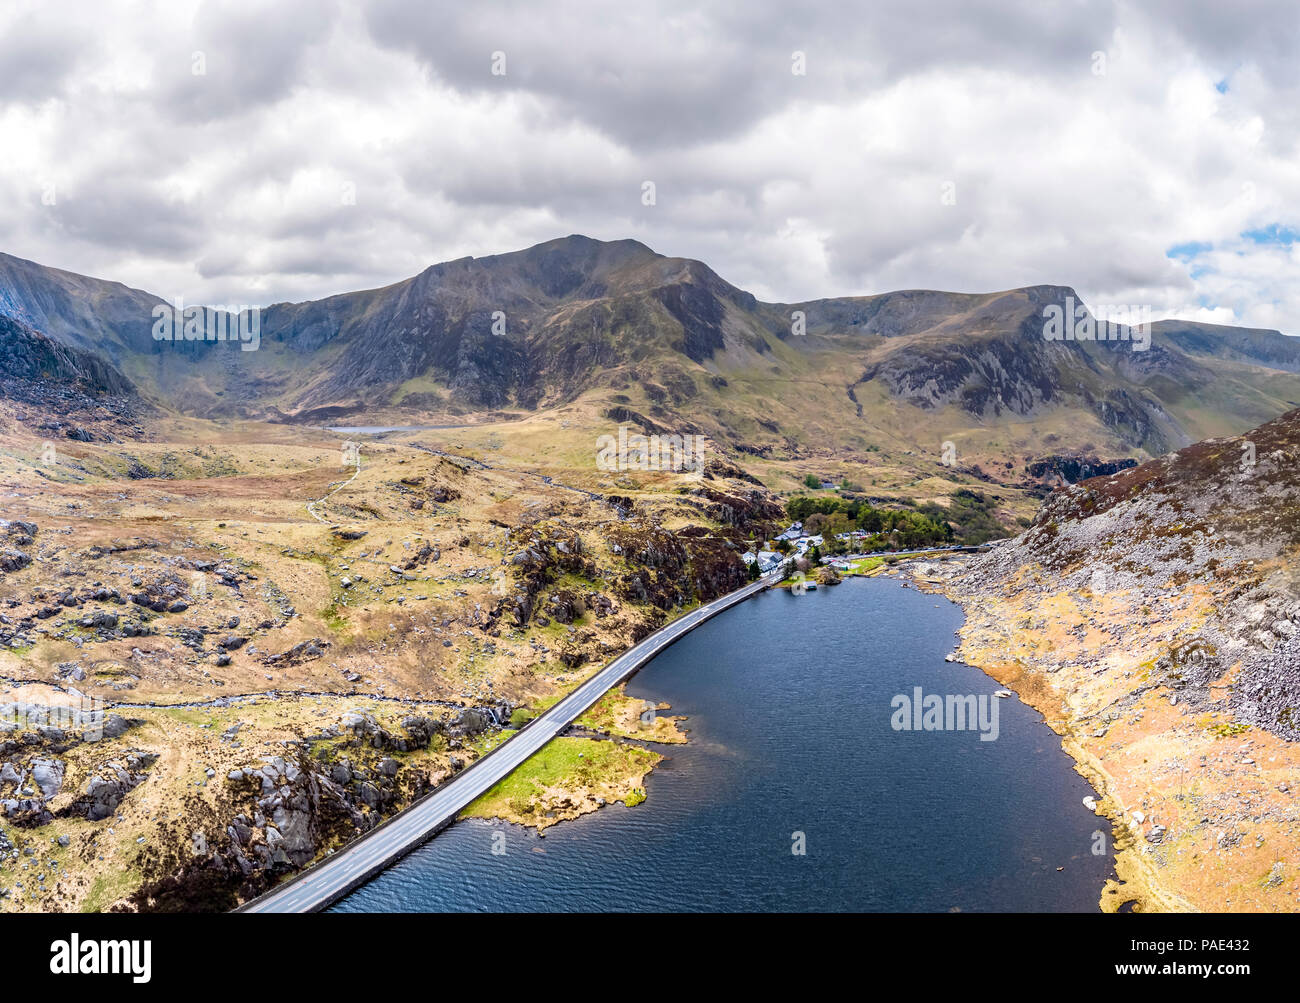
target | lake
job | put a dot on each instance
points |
(792, 703)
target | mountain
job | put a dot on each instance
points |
(29, 358)
(631, 334)
(1152, 615)
(59, 391)
(1240, 344)
(1218, 520)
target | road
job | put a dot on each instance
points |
(329, 880)
(324, 883)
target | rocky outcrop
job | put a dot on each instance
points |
(564, 606)
(1221, 517)
(164, 592)
(110, 783)
(15, 537)
(754, 508)
(1073, 469)
(13, 560)
(288, 808)
(285, 828)
(546, 554)
(668, 569)
(30, 359)
(303, 651)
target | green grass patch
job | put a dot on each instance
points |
(578, 764)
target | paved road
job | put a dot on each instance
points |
(328, 881)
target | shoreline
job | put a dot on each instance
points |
(1134, 880)
(329, 879)
(611, 733)
(1136, 886)
(632, 824)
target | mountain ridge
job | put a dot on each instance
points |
(621, 325)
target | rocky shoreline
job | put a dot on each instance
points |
(1138, 886)
(1153, 617)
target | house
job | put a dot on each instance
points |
(768, 560)
(748, 558)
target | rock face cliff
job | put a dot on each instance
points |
(58, 391)
(991, 357)
(30, 359)
(1072, 469)
(1245, 344)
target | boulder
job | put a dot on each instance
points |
(13, 560)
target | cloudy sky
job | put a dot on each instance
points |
(232, 152)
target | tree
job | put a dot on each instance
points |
(812, 481)
(753, 570)
(826, 575)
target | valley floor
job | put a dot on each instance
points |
(272, 680)
(277, 679)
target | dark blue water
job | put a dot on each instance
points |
(789, 699)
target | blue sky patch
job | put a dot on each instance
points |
(1187, 251)
(1274, 233)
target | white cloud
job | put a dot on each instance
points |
(236, 186)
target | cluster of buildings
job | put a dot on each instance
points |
(770, 560)
(801, 543)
